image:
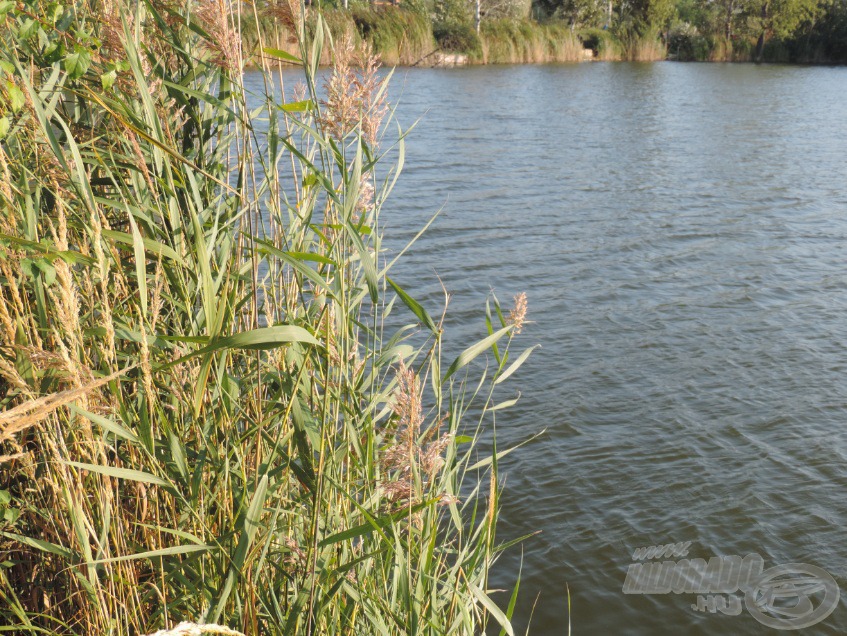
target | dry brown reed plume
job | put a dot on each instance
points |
(30, 413)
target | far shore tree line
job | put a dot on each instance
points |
(805, 31)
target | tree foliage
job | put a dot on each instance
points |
(800, 30)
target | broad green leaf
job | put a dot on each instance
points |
(256, 339)
(415, 306)
(54, 12)
(107, 80)
(282, 55)
(510, 611)
(178, 455)
(76, 64)
(366, 259)
(501, 454)
(28, 29)
(39, 544)
(248, 533)
(47, 270)
(504, 405)
(120, 473)
(177, 549)
(491, 606)
(107, 425)
(263, 338)
(140, 265)
(374, 523)
(149, 244)
(177, 533)
(49, 251)
(508, 544)
(298, 107)
(294, 260)
(310, 256)
(515, 365)
(16, 97)
(469, 354)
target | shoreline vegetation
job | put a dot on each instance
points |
(219, 411)
(444, 32)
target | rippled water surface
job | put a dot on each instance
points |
(680, 232)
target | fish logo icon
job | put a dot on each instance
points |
(792, 596)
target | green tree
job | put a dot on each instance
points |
(645, 16)
(780, 19)
(578, 13)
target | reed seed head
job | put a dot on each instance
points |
(354, 94)
(517, 317)
(223, 42)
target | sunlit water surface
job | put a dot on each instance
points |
(680, 232)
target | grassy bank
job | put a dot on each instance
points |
(204, 415)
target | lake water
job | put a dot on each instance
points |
(681, 233)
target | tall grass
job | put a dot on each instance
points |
(206, 416)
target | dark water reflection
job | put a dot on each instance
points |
(680, 232)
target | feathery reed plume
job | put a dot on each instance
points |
(517, 316)
(373, 103)
(286, 13)
(407, 401)
(353, 94)
(409, 451)
(365, 204)
(223, 42)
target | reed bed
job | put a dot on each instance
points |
(643, 48)
(206, 417)
(397, 35)
(508, 41)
